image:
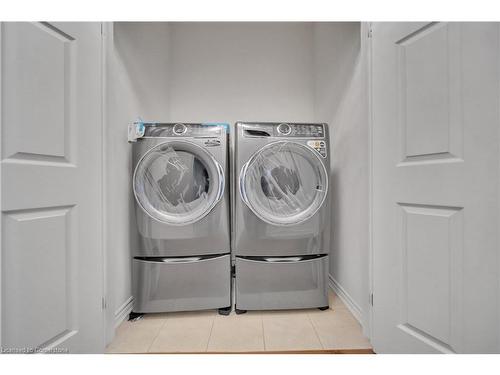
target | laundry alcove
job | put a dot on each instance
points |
(229, 72)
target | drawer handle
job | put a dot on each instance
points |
(285, 259)
(181, 260)
(178, 259)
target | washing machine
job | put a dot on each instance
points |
(182, 259)
(281, 215)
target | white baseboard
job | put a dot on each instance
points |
(122, 312)
(347, 299)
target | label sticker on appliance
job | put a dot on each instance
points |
(212, 142)
(136, 131)
(319, 146)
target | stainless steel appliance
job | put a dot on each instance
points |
(281, 215)
(183, 260)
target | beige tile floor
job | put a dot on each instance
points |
(275, 331)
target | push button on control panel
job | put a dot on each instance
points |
(317, 131)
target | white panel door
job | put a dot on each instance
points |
(51, 261)
(435, 112)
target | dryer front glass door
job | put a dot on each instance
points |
(178, 182)
(284, 183)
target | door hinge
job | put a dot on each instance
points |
(370, 33)
(371, 299)
(103, 303)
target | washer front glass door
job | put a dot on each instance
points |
(284, 183)
(178, 182)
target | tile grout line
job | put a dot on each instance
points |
(263, 333)
(210, 335)
(158, 334)
(315, 332)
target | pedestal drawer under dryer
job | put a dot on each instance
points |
(268, 283)
(182, 284)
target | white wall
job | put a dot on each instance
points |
(341, 100)
(137, 85)
(241, 71)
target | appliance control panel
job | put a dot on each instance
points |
(299, 130)
(182, 130)
(284, 129)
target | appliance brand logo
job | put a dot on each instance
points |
(212, 142)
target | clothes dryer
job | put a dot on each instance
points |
(281, 215)
(182, 261)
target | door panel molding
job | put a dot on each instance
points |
(431, 293)
(41, 308)
(430, 116)
(45, 96)
(426, 339)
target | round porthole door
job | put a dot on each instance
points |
(178, 182)
(284, 183)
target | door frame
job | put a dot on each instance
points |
(498, 250)
(366, 33)
(107, 293)
(103, 185)
(1, 196)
